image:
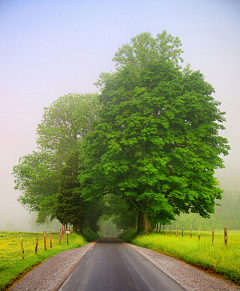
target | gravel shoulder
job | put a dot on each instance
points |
(189, 277)
(50, 275)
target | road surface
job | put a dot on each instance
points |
(112, 265)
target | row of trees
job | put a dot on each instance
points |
(48, 177)
(144, 149)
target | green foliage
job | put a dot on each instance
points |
(216, 257)
(92, 214)
(107, 228)
(37, 175)
(65, 122)
(12, 267)
(148, 145)
(144, 48)
(128, 235)
(70, 208)
(123, 214)
(156, 140)
(89, 235)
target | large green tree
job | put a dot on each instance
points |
(65, 122)
(156, 140)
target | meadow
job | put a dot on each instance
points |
(12, 265)
(216, 257)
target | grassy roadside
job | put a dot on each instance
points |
(201, 253)
(13, 267)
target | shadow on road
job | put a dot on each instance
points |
(109, 240)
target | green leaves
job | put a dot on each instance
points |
(144, 49)
(70, 208)
(64, 124)
(156, 139)
(66, 121)
(151, 137)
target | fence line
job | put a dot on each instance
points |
(158, 229)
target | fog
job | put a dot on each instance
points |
(49, 48)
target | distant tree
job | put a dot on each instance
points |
(121, 212)
(156, 140)
(226, 215)
(37, 175)
(94, 211)
(65, 122)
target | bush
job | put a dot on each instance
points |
(89, 235)
(128, 235)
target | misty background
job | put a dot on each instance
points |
(49, 48)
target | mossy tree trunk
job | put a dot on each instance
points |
(144, 223)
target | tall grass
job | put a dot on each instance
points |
(217, 257)
(12, 266)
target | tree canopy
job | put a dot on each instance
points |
(156, 140)
(64, 124)
(146, 147)
(37, 178)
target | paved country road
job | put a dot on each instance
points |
(115, 266)
(112, 265)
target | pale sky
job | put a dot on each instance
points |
(49, 48)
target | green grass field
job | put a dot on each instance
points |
(202, 253)
(13, 267)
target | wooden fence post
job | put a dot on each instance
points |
(191, 232)
(225, 237)
(176, 231)
(21, 242)
(62, 230)
(199, 234)
(45, 243)
(212, 235)
(170, 230)
(50, 237)
(182, 231)
(36, 248)
(60, 236)
(167, 230)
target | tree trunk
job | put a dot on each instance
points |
(148, 224)
(141, 226)
(144, 224)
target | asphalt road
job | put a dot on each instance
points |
(114, 266)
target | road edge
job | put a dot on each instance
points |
(51, 274)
